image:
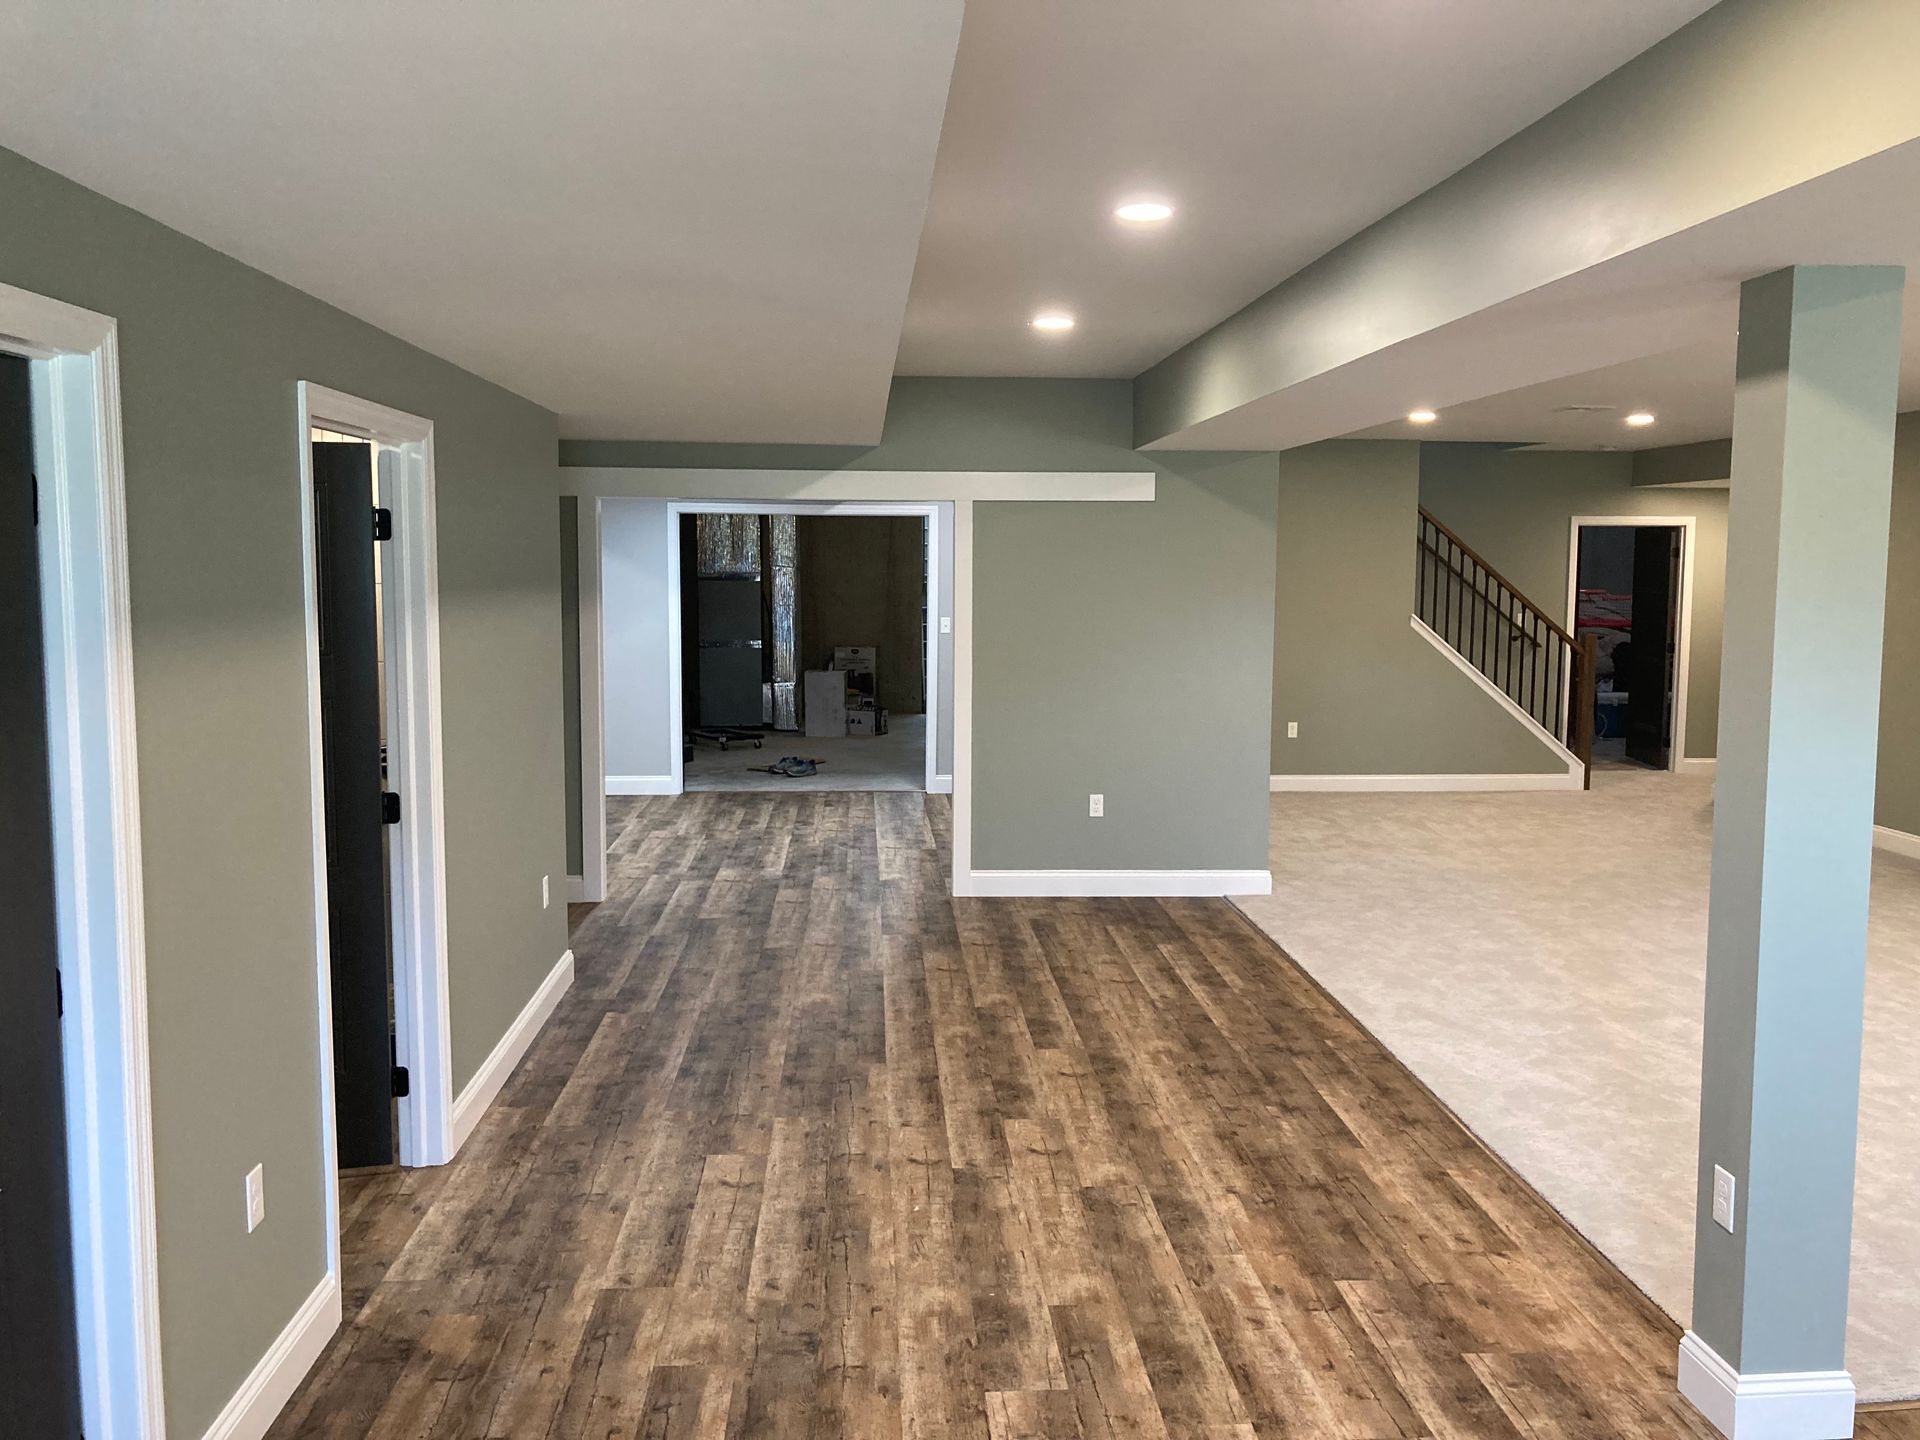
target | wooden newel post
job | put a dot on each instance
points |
(1585, 675)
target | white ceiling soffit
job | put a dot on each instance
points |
(1278, 130)
(1688, 391)
(682, 219)
(1653, 329)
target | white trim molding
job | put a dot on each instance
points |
(643, 785)
(1408, 784)
(1896, 842)
(1576, 772)
(98, 899)
(410, 619)
(497, 1068)
(940, 785)
(905, 486)
(576, 890)
(1683, 659)
(1165, 884)
(1807, 1405)
(593, 746)
(1695, 765)
(265, 1391)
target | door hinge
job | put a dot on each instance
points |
(382, 523)
(389, 808)
(402, 1082)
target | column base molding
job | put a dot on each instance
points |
(1804, 1405)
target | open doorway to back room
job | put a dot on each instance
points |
(1629, 594)
(804, 642)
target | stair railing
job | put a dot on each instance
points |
(1525, 653)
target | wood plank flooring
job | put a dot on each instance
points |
(814, 1150)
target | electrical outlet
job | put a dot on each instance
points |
(1723, 1199)
(256, 1197)
(546, 891)
(1096, 806)
(1293, 729)
(946, 624)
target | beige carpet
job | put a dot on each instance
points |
(896, 760)
(1539, 961)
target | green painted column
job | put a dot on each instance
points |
(1819, 362)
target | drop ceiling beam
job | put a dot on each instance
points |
(1752, 99)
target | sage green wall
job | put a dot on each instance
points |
(210, 352)
(1897, 802)
(1119, 648)
(1370, 695)
(1516, 508)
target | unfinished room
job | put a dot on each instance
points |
(960, 718)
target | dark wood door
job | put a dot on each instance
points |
(356, 865)
(39, 1362)
(1654, 640)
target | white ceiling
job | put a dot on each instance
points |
(1848, 219)
(1278, 129)
(683, 219)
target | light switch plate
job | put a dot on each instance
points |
(1723, 1199)
(546, 891)
(1096, 806)
(256, 1197)
(1293, 729)
(946, 624)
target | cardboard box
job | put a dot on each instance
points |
(866, 722)
(825, 693)
(860, 658)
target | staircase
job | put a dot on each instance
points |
(1522, 651)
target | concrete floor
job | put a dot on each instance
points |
(893, 761)
(1539, 961)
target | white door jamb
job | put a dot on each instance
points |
(91, 744)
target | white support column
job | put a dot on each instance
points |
(1819, 361)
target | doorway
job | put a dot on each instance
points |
(39, 1363)
(71, 844)
(805, 646)
(368, 519)
(1628, 590)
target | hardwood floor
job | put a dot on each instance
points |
(813, 1150)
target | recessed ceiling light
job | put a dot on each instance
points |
(1052, 320)
(1640, 417)
(1423, 417)
(1144, 212)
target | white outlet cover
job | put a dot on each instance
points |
(946, 624)
(1096, 806)
(1293, 729)
(1723, 1186)
(256, 1197)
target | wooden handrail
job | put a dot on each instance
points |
(1555, 681)
(1468, 580)
(1474, 555)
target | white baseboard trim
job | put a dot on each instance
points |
(488, 1079)
(1687, 766)
(641, 785)
(1809, 1405)
(265, 1392)
(1557, 780)
(1158, 883)
(942, 785)
(1896, 842)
